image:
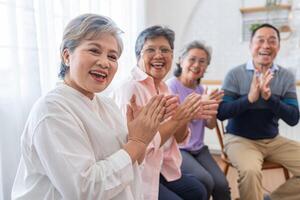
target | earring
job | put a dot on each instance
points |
(67, 63)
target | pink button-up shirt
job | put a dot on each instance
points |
(166, 159)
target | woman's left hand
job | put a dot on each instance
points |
(171, 105)
(209, 109)
(215, 94)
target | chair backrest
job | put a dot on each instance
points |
(220, 134)
(220, 130)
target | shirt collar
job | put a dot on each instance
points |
(250, 66)
(139, 75)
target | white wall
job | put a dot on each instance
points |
(219, 23)
(173, 13)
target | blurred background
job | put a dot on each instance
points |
(31, 32)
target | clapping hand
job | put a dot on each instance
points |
(209, 104)
(172, 103)
(254, 92)
(216, 94)
(265, 89)
(188, 109)
(143, 122)
(260, 85)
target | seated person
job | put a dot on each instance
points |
(257, 95)
(161, 172)
(193, 61)
(74, 145)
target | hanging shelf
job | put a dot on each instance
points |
(265, 8)
(277, 15)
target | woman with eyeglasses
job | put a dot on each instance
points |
(75, 144)
(161, 174)
(193, 61)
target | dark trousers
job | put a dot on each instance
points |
(202, 165)
(187, 188)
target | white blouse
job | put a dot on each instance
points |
(72, 149)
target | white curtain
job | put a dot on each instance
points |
(30, 36)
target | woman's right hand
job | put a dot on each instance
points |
(188, 109)
(176, 124)
(143, 126)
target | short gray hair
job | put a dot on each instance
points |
(196, 44)
(86, 27)
(150, 33)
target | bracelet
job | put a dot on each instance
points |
(136, 139)
(137, 143)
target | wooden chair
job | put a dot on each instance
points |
(266, 164)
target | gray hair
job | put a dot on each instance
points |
(150, 33)
(196, 44)
(86, 27)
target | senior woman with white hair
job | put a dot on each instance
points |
(194, 58)
(75, 144)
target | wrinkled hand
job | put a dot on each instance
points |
(209, 104)
(188, 109)
(172, 102)
(136, 109)
(217, 95)
(208, 109)
(144, 125)
(265, 89)
(254, 92)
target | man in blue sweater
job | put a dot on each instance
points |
(257, 95)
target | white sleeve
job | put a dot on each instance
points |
(122, 96)
(66, 154)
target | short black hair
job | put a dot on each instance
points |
(268, 26)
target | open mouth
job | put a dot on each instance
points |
(157, 65)
(195, 70)
(98, 75)
(264, 54)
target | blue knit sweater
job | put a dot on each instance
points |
(260, 119)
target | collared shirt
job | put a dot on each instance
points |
(166, 159)
(250, 66)
(72, 149)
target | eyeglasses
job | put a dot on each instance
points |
(151, 51)
(270, 41)
(200, 61)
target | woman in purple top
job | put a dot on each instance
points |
(197, 161)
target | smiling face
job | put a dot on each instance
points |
(264, 47)
(156, 58)
(93, 64)
(194, 64)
